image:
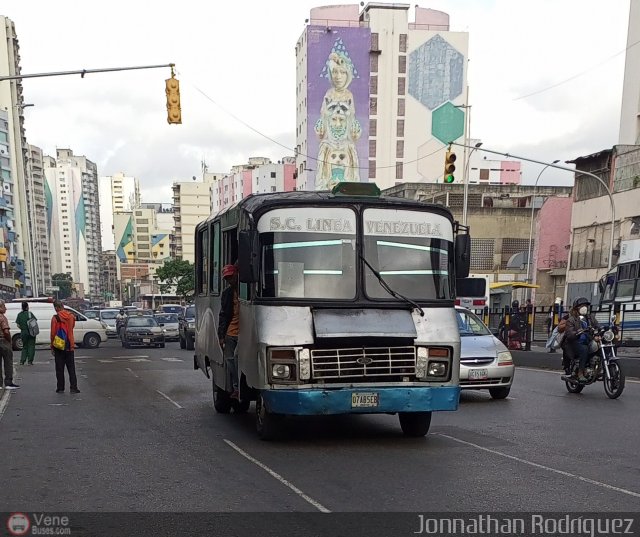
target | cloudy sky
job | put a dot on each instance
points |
(545, 79)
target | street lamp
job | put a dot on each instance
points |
(575, 171)
(529, 277)
(466, 184)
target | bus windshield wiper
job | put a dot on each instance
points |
(388, 289)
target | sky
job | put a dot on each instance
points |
(545, 80)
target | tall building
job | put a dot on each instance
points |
(258, 176)
(191, 205)
(630, 111)
(13, 148)
(37, 218)
(74, 219)
(369, 86)
(118, 193)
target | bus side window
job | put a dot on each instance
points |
(215, 259)
(202, 251)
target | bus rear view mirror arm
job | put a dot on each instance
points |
(249, 256)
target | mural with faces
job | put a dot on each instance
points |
(337, 129)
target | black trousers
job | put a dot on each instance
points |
(65, 358)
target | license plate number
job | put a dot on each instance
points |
(146, 340)
(478, 374)
(363, 400)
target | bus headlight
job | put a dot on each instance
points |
(304, 359)
(282, 364)
(437, 369)
(281, 371)
(421, 362)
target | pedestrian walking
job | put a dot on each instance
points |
(28, 324)
(6, 350)
(62, 346)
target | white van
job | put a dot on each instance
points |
(87, 332)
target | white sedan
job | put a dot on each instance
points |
(485, 363)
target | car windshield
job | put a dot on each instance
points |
(167, 318)
(171, 309)
(308, 253)
(190, 313)
(137, 322)
(91, 314)
(411, 250)
(470, 325)
(108, 315)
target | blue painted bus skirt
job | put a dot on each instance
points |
(307, 402)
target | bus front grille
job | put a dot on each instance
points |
(363, 362)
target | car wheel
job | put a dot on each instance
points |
(92, 341)
(500, 393)
(190, 343)
(221, 399)
(17, 342)
(240, 407)
(415, 424)
(268, 424)
(183, 343)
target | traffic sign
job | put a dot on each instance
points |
(52, 289)
(447, 123)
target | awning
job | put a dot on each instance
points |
(513, 285)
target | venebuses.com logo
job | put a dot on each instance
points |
(38, 524)
(18, 524)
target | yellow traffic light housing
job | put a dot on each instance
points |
(174, 114)
(449, 167)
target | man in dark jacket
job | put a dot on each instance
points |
(578, 333)
(229, 324)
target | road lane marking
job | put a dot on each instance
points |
(543, 467)
(633, 380)
(277, 476)
(106, 361)
(139, 360)
(130, 371)
(172, 359)
(130, 356)
(169, 399)
(4, 401)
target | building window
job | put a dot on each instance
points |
(273, 189)
(399, 170)
(402, 82)
(373, 67)
(400, 149)
(401, 107)
(372, 169)
(403, 43)
(273, 175)
(373, 106)
(484, 174)
(372, 148)
(400, 127)
(373, 127)
(373, 85)
(402, 64)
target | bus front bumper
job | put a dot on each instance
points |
(369, 400)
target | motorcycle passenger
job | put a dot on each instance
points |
(578, 333)
(516, 330)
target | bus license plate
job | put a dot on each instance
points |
(364, 399)
(478, 374)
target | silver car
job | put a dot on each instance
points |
(485, 363)
(170, 324)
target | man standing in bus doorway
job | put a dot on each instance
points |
(229, 324)
(6, 350)
(28, 341)
(63, 345)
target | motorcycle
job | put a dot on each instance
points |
(603, 365)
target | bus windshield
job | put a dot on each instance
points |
(308, 253)
(411, 250)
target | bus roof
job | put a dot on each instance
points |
(255, 203)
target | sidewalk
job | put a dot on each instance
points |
(627, 352)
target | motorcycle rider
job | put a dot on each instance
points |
(516, 330)
(578, 333)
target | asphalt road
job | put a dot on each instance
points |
(143, 436)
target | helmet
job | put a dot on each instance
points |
(515, 304)
(582, 301)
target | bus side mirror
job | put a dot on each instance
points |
(463, 255)
(249, 256)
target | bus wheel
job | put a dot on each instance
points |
(221, 399)
(415, 424)
(240, 407)
(268, 425)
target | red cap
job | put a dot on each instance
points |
(229, 270)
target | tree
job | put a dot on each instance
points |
(64, 282)
(178, 274)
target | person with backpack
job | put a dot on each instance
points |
(62, 346)
(28, 325)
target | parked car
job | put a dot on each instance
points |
(109, 318)
(87, 332)
(187, 327)
(485, 363)
(169, 323)
(142, 330)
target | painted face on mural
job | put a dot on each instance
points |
(339, 77)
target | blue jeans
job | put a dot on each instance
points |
(582, 353)
(231, 359)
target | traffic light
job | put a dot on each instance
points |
(173, 100)
(449, 167)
